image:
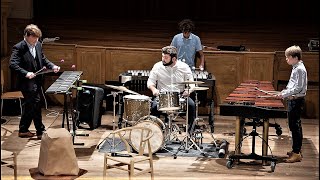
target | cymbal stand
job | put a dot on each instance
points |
(197, 119)
(113, 144)
(185, 142)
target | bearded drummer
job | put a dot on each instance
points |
(170, 75)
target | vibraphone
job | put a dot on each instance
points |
(249, 100)
(136, 80)
(63, 86)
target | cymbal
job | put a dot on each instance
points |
(191, 82)
(122, 88)
(199, 88)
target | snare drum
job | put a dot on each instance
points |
(157, 127)
(168, 101)
(135, 107)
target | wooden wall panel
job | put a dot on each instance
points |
(310, 60)
(258, 66)
(91, 60)
(56, 52)
(226, 69)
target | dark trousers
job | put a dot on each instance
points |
(31, 110)
(191, 111)
(294, 112)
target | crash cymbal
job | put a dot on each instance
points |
(199, 88)
(122, 88)
(191, 82)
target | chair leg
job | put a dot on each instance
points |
(15, 166)
(20, 106)
(151, 168)
(105, 167)
(1, 106)
(131, 170)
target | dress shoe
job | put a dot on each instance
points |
(25, 134)
(289, 153)
(294, 158)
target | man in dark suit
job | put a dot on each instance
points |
(26, 59)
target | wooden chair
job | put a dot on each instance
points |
(8, 158)
(128, 157)
(9, 95)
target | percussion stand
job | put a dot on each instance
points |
(173, 129)
(187, 138)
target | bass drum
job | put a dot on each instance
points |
(157, 127)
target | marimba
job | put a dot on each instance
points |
(249, 100)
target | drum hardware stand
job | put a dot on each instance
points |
(173, 129)
(112, 144)
(187, 138)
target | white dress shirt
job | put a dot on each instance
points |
(166, 78)
(297, 85)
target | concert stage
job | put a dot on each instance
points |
(166, 167)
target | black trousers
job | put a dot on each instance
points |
(31, 110)
(294, 113)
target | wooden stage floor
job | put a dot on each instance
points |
(91, 160)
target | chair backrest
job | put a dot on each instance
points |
(143, 133)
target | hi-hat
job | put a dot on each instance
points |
(199, 88)
(191, 82)
(122, 88)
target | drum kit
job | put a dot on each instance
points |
(137, 113)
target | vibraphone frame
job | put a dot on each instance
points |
(63, 85)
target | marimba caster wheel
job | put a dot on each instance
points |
(273, 166)
(230, 163)
(174, 156)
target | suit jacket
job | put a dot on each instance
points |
(22, 62)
